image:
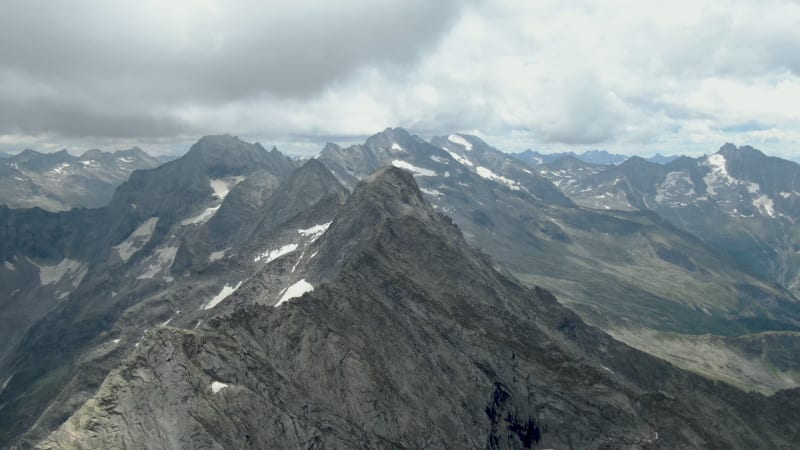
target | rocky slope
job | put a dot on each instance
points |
(400, 336)
(59, 181)
(617, 269)
(738, 200)
(520, 218)
(84, 285)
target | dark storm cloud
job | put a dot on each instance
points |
(124, 59)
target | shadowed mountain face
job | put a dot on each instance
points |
(738, 200)
(59, 181)
(401, 336)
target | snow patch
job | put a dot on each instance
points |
(294, 291)
(786, 194)
(396, 147)
(456, 139)
(298, 261)
(215, 256)
(203, 217)
(217, 386)
(272, 255)
(163, 259)
(116, 341)
(315, 232)
(675, 185)
(438, 159)
(136, 240)
(413, 169)
(431, 192)
(9, 265)
(226, 291)
(60, 168)
(460, 159)
(765, 205)
(489, 175)
(5, 383)
(54, 274)
(222, 186)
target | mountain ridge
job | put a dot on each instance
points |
(419, 358)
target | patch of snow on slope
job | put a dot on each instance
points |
(137, 240)
(396, 147)
(676, 184)
(222, 186)
(9, 265)
(431, 192)
(456, 139)
(718, 173)
(5, 383)
(226, 291)
(215, 256)
(294, 291)
(413, 169)
(203, 217)
(315, 232)
(787, 194)
(459, 158)
(765, 205)
(163, 259)
(272, 255)
(438, 159)
(217, 386)
(54, 274)
(489, 175)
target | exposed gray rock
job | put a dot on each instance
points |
(415, 342)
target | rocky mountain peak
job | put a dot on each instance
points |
(331, 147)
(732, 152)
(387, 137)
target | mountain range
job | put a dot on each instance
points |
(598, 157)
(60, 181)
(737, 200)
(345, 299)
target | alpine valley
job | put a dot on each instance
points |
(399, 293)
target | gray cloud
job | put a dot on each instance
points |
(42, 117)
(112, 63)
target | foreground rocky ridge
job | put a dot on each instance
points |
(80, 288)
(410, 339)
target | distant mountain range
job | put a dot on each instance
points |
(60, 181)
(598, 157)
(395, 293)
(739, 200)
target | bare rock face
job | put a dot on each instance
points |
(404, 337)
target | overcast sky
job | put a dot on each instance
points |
(627, 76)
